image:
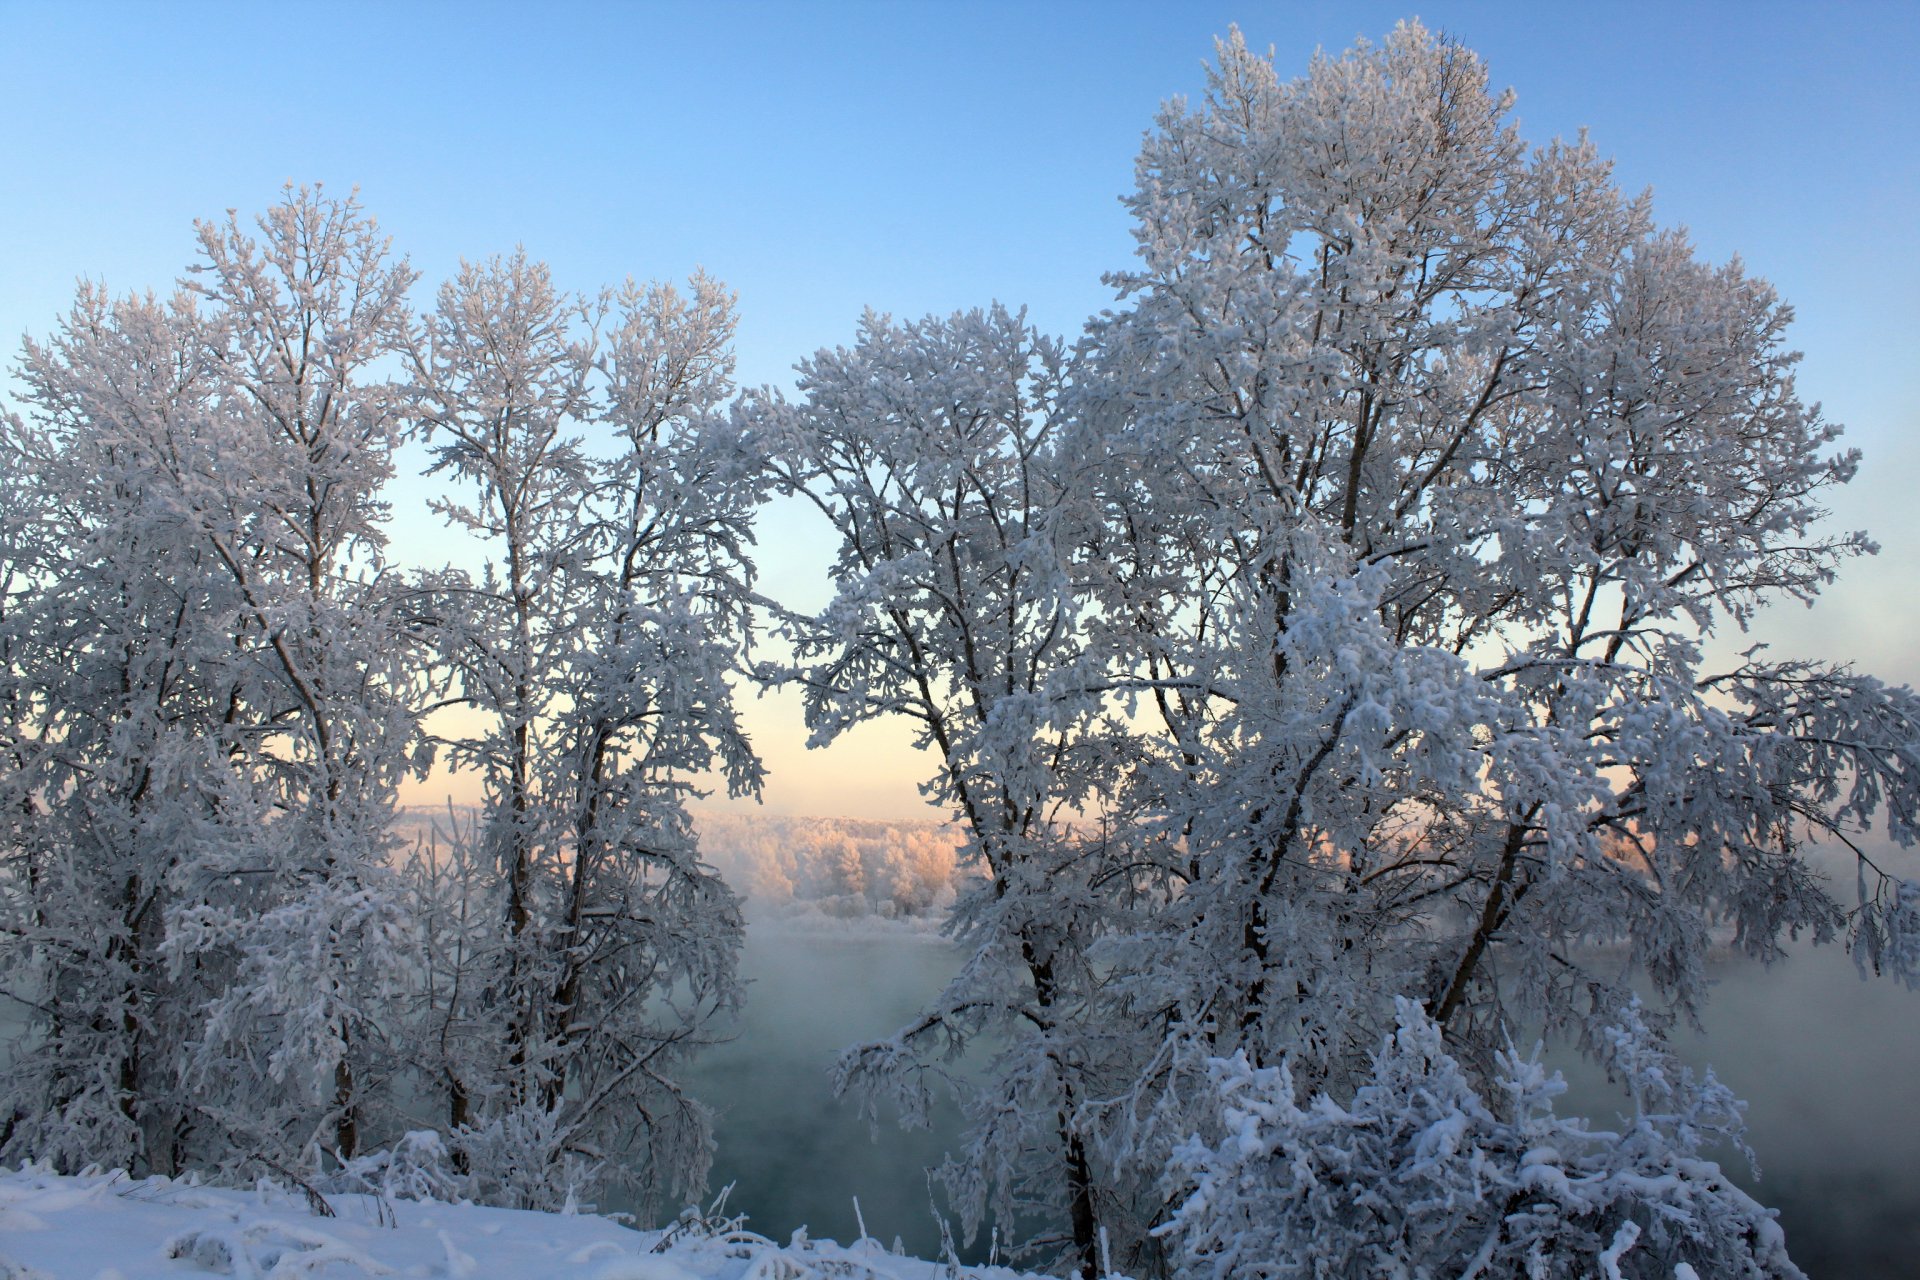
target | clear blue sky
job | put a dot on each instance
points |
(922, 157)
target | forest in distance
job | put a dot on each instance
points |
(798, 866)
(1331, 658)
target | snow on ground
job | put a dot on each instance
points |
(111, 1227)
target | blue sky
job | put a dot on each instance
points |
(921, 157)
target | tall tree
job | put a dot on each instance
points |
(931, 450)
(220, 640)
(1436, 474)
(597, 643)
(292, 511)
(111, 648)
(504, 381)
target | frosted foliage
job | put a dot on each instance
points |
(521, 1160)
(212, 699)
(1428, 467)
(1335, 624)
(1328, 649)
(839, 867)
(1422, 1173)
(215, 675)
(579, 943)
(931, 448)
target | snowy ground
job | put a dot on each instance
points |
(108, 1227)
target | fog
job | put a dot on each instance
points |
(1826, 1062)
(1829, 1066)
(797, 1155)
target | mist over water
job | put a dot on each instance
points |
(1828, 1064)
(797, 1156)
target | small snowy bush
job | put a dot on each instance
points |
(518, 1161)
(1420, 1176)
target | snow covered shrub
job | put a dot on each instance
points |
(417, 1167)
(1419, 1175)
(519, 1160)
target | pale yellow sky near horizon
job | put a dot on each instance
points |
(873, 771)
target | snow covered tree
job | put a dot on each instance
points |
(328, 666)
(1372, 572)
(503, 380)
(1435, 477)
(112, 750)
(215, 686)
(612, 504)
(214, 679)
(931, 449)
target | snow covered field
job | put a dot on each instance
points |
(110, 1227)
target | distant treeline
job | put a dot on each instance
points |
(845, 867)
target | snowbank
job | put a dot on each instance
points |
(111, 1227)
